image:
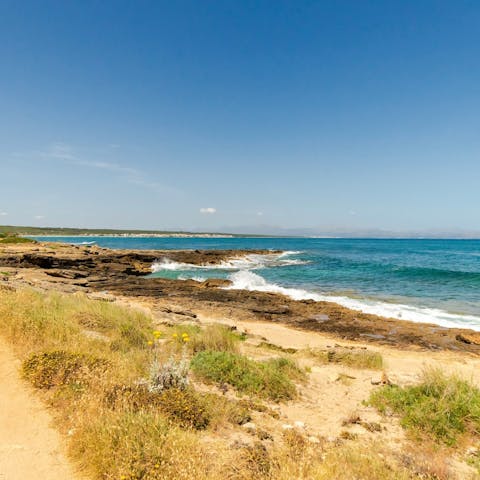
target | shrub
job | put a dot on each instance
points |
(185, 407)
(57, 368)
(14, 239)
(266, 379)
(224, 409)
(441, 406)
(172, 374)
(132, 397)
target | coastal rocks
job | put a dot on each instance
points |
(184, 313)
(215, 283)
(272, 310)
(71, 274)
(470, 338)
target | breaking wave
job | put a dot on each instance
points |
(247, 280)
(246, 262)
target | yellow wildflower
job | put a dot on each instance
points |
(150, 343)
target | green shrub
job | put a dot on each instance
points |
(266, 379)
(441, 406)
(57, 368)
(15, 239)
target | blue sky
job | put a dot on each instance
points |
(240, 114)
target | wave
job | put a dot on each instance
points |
(196, 278)
(246, 262)
(437, 273)
(247, 280)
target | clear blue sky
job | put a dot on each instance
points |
(214, 114)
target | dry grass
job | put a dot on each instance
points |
(354, 358)
(217, 337)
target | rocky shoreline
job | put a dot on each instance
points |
(124, 273)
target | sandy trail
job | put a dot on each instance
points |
(30, 449)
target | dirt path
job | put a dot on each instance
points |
(30, 449)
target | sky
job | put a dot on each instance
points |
(241, 115)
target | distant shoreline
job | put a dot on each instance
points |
(136, 235)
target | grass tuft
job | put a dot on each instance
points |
(442, 407)
(216, 337)
(362, 359)
(270, 379)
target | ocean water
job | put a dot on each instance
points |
(434, 281)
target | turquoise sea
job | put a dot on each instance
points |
(436, 281)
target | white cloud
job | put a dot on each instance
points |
(3, 214)
(352, 212)
(208, 210)
(260, 214)
(39, 217)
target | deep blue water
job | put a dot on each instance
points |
(422, 280)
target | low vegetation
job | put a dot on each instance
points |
(271, 379)
(442, 407)
(216, 337)
(7, 238)
(354, 358)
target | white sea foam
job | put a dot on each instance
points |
(247, 280)
(195, 277)
(246, 262)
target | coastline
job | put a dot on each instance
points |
(124, 273)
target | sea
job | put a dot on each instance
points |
(430, 281)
